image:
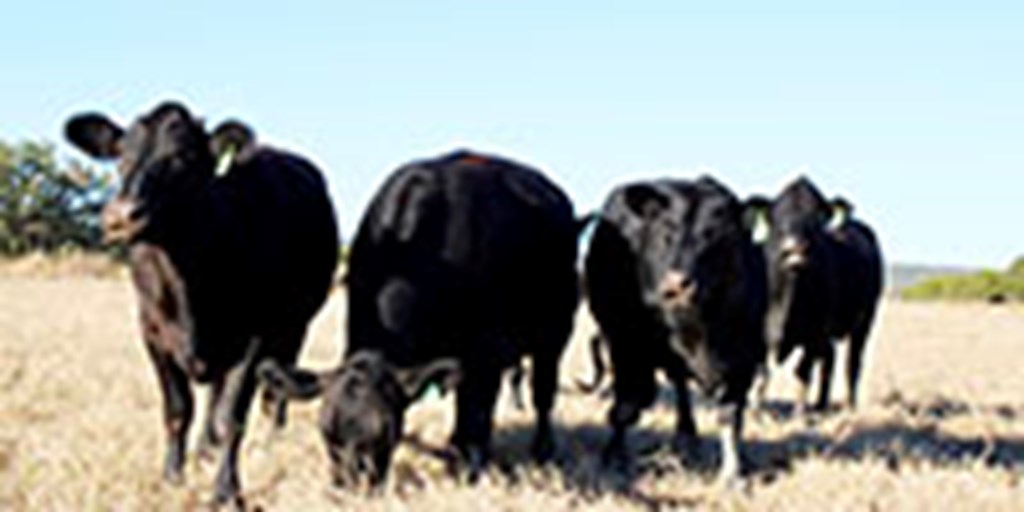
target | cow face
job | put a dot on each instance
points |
(364, 403)
(164, 158)
(799, 219)
(691, 247)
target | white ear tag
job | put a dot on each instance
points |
(761, 229)
(227, 158)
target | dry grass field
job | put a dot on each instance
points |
(941, 426)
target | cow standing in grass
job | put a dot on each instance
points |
(825, 280)
(232, 248)
(676, 283)
(461, 266)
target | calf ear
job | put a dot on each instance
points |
(414, 381)
(95, 134)
(291, 383)
(645, 201)
(755, 217)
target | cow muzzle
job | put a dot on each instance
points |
(677, 290)
(793, 253)
(122, 220)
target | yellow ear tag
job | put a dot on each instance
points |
(839, 218)
(433, 392)
(761, 228)
(227, 158)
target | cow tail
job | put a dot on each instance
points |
(600, 367)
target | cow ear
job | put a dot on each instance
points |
(842, 210)
(414, 381)
(645, 201)
(292, 383)
(230, 142)
(756, 218)
(231, 134)
(95, 134)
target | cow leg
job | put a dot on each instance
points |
(685, 442)
(211, 438)
(803, 374)
(177, 395)
(764, 374)
(545, 385)
(858, 339)
(272, 405)
(730, 422)
(474, 402)
(828, 358)
(634, 391)
(232, 409)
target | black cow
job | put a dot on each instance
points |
(461, 266)
(825, 281)
(232, 249)
(675, 282)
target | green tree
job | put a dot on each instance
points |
(45, 206)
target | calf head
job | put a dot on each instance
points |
(164, 158)
(692, 238)
(364, 402)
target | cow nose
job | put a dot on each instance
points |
(677, 288)
(120, 220)
(794, 252)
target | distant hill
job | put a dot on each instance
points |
(901, 275)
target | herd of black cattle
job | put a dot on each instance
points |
(462, 266)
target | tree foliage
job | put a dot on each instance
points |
(988, 285)
(45, 206)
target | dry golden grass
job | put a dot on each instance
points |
(941, 427)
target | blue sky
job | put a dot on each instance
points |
(915, 111)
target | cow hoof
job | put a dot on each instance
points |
(225, 499)
(230, 504)
(467, 464)
(476, 459)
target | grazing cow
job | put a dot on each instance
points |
(675, 282)
(825, 280)
(461, 266)
(232, 248)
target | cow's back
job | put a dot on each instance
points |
(487, 246)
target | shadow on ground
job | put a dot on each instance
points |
(898, 442)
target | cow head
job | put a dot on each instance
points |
(692, 242)
(364, 402)
(164, 158)
(798, 220)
